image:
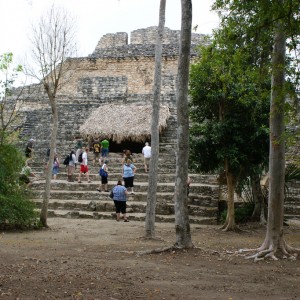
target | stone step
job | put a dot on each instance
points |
(292, 209)
(143, 177)
(205, 189)
(292, 200)
(162, 197)
(292, 216)
(131, 216)
(132, 207)
(295, 184)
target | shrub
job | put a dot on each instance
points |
(16, 210)
(242, 213)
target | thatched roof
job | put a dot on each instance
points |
(123, 122)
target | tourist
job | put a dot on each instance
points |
(103, 172)
(129, 171)
(126, 155)
(78, 152)
(29, 149)
(97, 151)
(147, 155)
(104, 149)
(26, 174)
(55, 167)
(119, 195)
(71, 165)
(78, 143)
(84, 165)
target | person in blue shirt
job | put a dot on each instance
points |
(129, 170)
(119, 194)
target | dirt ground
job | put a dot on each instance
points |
(99, 259)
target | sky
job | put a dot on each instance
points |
(94, 18)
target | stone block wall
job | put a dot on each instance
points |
(148, 36)
(112, 40)
(105, 77)
(116, 72)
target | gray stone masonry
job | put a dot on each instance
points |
(121, 73)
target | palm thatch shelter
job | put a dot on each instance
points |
(123, 122)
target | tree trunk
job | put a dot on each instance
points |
(153, 172)
(277, 144)
(274, 242)
(44, 210)
(182, 225)
(231, 185)
(259, 204)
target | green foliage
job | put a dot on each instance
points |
(16, 210)
(250, 25)
(229, 112)
(242, 213)
(11, 163)
(8, 107)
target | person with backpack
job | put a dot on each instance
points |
(79, 152)
(83, 160)
(71, 165)
(103, 172)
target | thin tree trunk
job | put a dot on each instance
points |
(231, 185)
(153, 172)
(44, 210)
(274, 241)
(182, 225)
(259, 205)
(277, 143)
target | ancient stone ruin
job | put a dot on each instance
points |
(117, 71)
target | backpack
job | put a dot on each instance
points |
(67, 160)
(102, 172)
(80, 157)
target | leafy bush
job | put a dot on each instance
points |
(16, 210)
(242, 213)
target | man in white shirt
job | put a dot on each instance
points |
(84, 166)
(147, 155)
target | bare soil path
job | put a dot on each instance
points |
(97, 259)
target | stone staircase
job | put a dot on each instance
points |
(292, 201)
(74, 200)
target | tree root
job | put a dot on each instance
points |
(165, 249)
(152, 238)
(227, 227)
(272, 252)
(156, 251)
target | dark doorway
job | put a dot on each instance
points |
(134, 147)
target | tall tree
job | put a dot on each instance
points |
(229, 110)
(280, 20)
(274, 241)
(8, 106)
(182, 224)
(53, 41)
(152, 183)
